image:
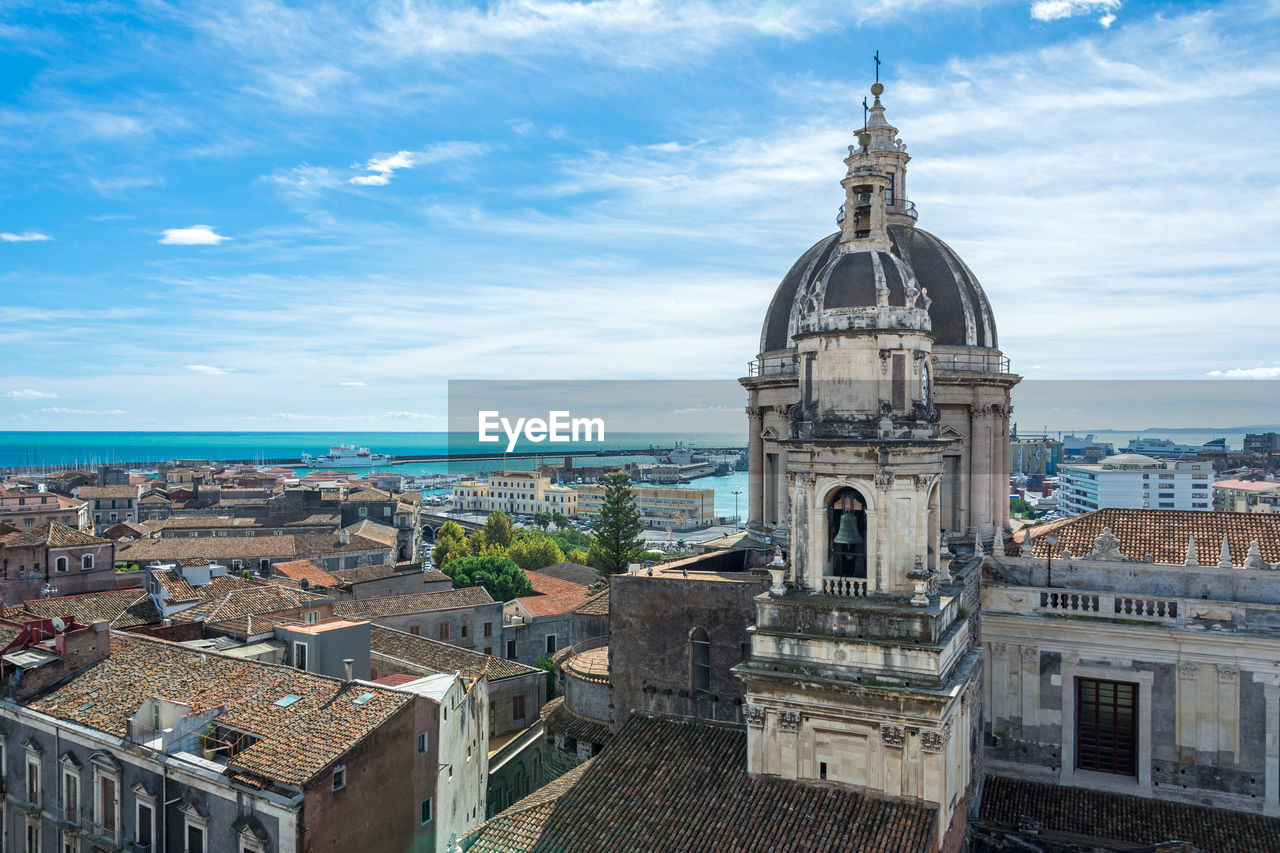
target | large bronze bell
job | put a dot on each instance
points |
(848, 533)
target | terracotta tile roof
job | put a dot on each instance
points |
(560, 720)
(418, 602)
(552, 596)
(300, 569)
(298, 742)
(396, 680)
(442, 657)
(365, 495)
(360, 574)
(98, 492)
(435, 575)
(664, 784)
(596, 605)
(123, 608)
(128, 528)
(50, 533)
(254, 600)
(294, 545)
(1162, 533)
(1129, 819)
(370, 529)
(567, 571)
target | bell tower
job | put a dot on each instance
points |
(862, 668)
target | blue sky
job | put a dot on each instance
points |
(258, 215)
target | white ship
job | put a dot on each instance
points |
(1163, 448)
(346, 456)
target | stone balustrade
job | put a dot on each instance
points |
(844, 587)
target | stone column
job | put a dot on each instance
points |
(755, 466)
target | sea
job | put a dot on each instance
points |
(141, 450)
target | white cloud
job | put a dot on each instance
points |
(59, 410)
(1056, 10)
(383, 168)
(352, 384)
(24, 237)
(304, 180)
(196, 235)
(30, 394)
(412, 416)
(1248, 373)
(209, 370)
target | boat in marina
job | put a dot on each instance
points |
(346, 456)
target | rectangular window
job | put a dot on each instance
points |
(517, 707)
(899, 382)
(415, 630)
(71, 796)
(195, 839)
(146, 825)
(464, 632)
(425, 811)
(33, 781)
(107, 804)
(488, 629)
(1107, 726)
(551, 643)
(444, 630)
(422, 743)
(511, 649)
(300, 655)
(339, 777)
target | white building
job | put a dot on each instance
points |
(522, 492)
(1134, 481)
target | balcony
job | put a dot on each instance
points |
(844, 587)
(773, 365)
(972, 362)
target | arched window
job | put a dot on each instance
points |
(847, 535)
(60, 564)
(86, 562)
(699, 662)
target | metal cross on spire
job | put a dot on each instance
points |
(877, 58)
(864, 113)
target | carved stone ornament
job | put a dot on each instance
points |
(923, 481)
(789, 721)
(1188, 669)
(804, 479)
(1228, 674)
(1106, 547)
(884, 481)
(1030, 655)
(893, 735)
(998, 649)
(969, 691)
(754, 715)
(935, 741)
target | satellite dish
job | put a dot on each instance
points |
(58, 624)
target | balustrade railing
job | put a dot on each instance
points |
(1156, 608)
(844, 587)
(772, 365)
(1069, 602)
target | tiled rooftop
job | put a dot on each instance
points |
(254, 600)
(375, 530)
(1127, 819)
(1163, 533)
(560, 720)
(52, 533)
(305, 570)
(298, 742)
(418, 602)
(596, 605)
(297, 545)
(552, 596)
(567, 571)
(123, 608)
(100, 492)
(442, 657)
(1247, 485)
(664, 784)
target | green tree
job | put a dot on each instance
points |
(478, 545)
(542, 518)
(498, 529)
(617, 542)
(535, 551)
(577, 555)
(560, 520)
(1017, 506)
(501, 577)
(451, 543)
(549, 666)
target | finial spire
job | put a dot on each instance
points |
(877, 58)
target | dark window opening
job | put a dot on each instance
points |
(847, 535)
(1106, 726)
(699, 662)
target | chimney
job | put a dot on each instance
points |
(347, 663)
(344, 537)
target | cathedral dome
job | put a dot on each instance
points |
(959, 312)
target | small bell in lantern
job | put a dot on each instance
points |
(848, 533)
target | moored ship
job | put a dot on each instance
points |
(346, 456)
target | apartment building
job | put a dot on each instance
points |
(26, 510)
(1134, 481)
(516, 492)
(660, 507)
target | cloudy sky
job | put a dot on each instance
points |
(262, 215)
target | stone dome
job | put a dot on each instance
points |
(960, 313)
(1131, 460)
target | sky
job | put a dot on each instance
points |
(258, 215)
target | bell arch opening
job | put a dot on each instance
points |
(847, 534)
